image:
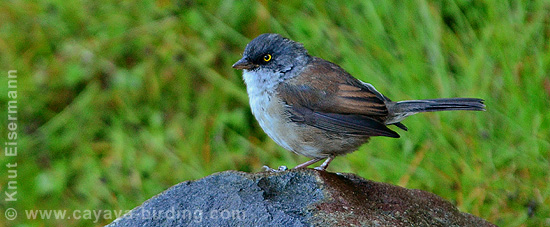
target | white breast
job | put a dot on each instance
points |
(266, 107)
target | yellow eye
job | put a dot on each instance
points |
(267, 57)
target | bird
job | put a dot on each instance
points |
(314, 108)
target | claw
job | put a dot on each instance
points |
(280, 169)
(320, 168)
(323, 167)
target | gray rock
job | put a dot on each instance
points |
(303, 197)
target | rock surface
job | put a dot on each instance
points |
(303, 197)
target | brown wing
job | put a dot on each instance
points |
(327, 97)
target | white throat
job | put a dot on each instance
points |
(259, 82)
(260, 87)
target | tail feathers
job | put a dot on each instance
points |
(430, 105)
(400, 110)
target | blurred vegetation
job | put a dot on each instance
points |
(118, 101)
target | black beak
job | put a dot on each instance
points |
(244, 64)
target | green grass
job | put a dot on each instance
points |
(119, 101)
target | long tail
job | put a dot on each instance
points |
(400, 110)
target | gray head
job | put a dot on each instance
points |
(272, 53)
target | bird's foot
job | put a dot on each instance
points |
(280, 169)
(324, 166)
(320, 168)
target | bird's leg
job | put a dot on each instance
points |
(306, 164)
(324, 166)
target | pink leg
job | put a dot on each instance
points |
(324, 166)
(306, 164)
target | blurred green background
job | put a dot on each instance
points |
(118, 101)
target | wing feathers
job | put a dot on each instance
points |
(327, 97)
(341, 123)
